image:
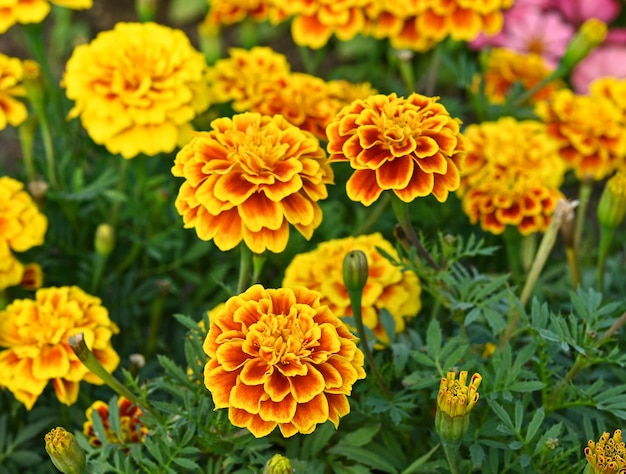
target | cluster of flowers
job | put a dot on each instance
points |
(415, 25)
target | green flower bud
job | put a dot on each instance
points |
(590, 35)
(64, 451)
(146, 9)
(105, 239)
(612, 205)
(355, 270)
(454, 402)
(278, 465)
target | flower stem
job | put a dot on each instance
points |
(584, 195)
(121, 184)
(405, 67)
(374, 216)
(401, 211)
(451, 451)
(78, 345)
(245, 267)
(606, 237)
(155, 324)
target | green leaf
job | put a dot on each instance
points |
(434, 338)
(419, 462)
(153, 448)
(362, 436)
(534, 424)
(364, 456)
(185, 463)
(501, 413)
(519, 416)
(316, 442)
(526, 386)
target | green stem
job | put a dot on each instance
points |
(405, 67)
(78, 345)
(245, 267)
(512, 244)
(401, 211)
(374, 216)
(155, 324)
(572, 260)
(433, 72)
(99, 264)
(258, 261)
(451, 451)
(121, 184)
(606, 237)
(311, 60)
(584, 195)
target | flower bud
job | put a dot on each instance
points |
(355, 270)
(591, 34)
(454, 402)
(32, 278)
(104, 240)
(278, 465)
(612, 205)
(608, 451)
(64, 451)
(33, 83)
(146, 9)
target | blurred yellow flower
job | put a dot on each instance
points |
(608, 455)
(137, 88)
(248, 179)
(22, 226)
(589, 131)
(12, 110)
(511, 175)
(387, 287)
(131, 426)
(33, 11)
(279, 357)
(32, 278)
(506, 68)
(34, 334)
(11, 271)
(229, 12)
(409, 146)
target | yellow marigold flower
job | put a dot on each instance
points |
(386, 18)
(589, 131)
(22, 226)
(32, 279)
(608, 455)
(506, 67)
(613, 89)
(238, 77)
(454, 402)
(280, 357)
(511, 175)
(133, 430)
(65, 452)
(12, 111)
(315, 22)
(387, 287)
(33, 11)
(137, 87)
(229, 12)
(248, 179)
(410, 146)
(11, 271)
(35, 333)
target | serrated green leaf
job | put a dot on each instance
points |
(185, 463)
(500, 413)
(154, 450)
(364, 456)
(534, 424)
(434, 338)
(519, 416)
(419, 462)
(526, 386)
(313, 444)
(361, 436)
(423, 359)
(477, 455)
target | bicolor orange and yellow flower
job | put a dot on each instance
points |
(229, 12)
(608, 455)
(34, 336)
(410, 146)
(12, 110)
(511, 175)
(33, 11)
(137, 88)
(589, 131)
(279, 357)
(131, 426)
(387, 287)
(250, 178)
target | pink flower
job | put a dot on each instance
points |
(606, 60)
(578, 11)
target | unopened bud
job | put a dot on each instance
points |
(105, 239)
(355, 270)
(146, 9)
(32, 278)
(454, 403)
(612, 205)
(278, 465)
(65, 452)
(591, 34)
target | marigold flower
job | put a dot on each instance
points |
(229, 12)
(410, 146)
(511, 175)
(33, 11)
(65, 452)
(280, 357)
(22, 226)
(589, 131)
(12, 110)
(35, 333)
(137, 87)
(131, 426)
(387, 287)
(613, 89)
(248, 179)
(608, 455)
(11, 271)
(454, 402)
(505, 68)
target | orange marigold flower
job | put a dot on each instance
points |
(11, 271)
(410, 146)
(506, 68)
(280, 357)
(589, 131)
(315, 22)
(35, 334)
(229, 12)
(32, 279)
(131, 426)
(22, 226)
(608, 455)
(137, 87)
(12, 110)
(387, 287)
(238, 77)
(248, 179)
(33, 11)
(511, 175)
